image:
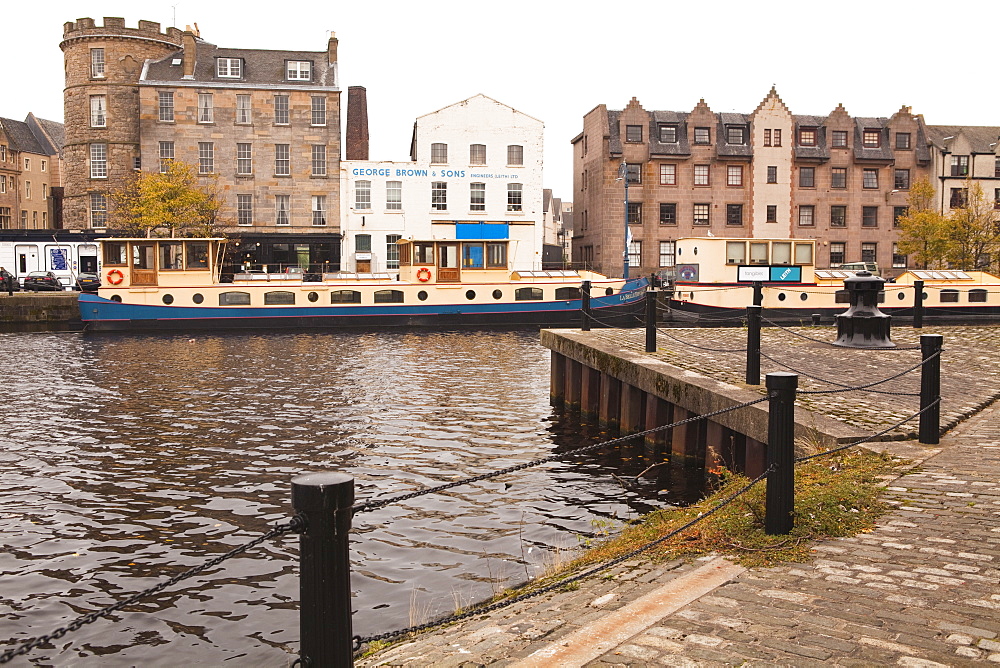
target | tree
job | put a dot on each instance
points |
(924, 232)
(168, 203)
(973, 233)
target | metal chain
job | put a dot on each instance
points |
(694, 345)
(360, 640)
(296, 524)
(866, 386)
(375, 505)
(830, 343)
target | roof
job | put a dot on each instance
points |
(51, 135)
(476, 97)
(22, 138)
(982, 139)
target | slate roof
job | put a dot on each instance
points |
(51, 135)
(21, 137)
(681, 146)
(884, 150)
(982, 139)
(724, 148)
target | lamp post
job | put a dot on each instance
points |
(623, 176)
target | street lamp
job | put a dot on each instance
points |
(623, 176)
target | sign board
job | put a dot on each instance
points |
(687, 272)
(769, 274)
(57, 257)
(362, 256)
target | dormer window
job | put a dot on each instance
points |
(668, 134)
(298, 70)
(735, 134)
(871, 138)
(807, 137)
(229, 68)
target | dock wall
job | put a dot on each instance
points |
(26, 308)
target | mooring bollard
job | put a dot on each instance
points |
(918, 304)
(780, 498)
(753, 345)
(758, 293)
(585, 306)
(325, 500)
(651, 321)
(929, 431)
(816, 319)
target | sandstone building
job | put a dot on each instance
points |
(30, 174)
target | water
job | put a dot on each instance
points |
(125, 460)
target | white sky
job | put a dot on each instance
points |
(558, 60)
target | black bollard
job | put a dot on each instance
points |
(863, 325)
(929, 431)
(325, 500)
(780, 501)
(918, 304)
(816, 319)
(585, 306)
(753, 345)
(758, 293)
(651, 321)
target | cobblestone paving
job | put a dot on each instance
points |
(922, 589)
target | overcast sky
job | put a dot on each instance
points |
(558, 60)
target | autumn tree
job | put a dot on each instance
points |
(168, 203)
(923, 230)
(973, 233)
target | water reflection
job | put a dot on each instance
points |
(128, 459)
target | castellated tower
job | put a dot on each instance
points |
(101, 104)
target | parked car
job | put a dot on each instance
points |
(87, 282)
(41, 280)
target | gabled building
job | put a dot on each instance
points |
(30, 183)
(964, 155)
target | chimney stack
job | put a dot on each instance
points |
(190, 52)
(331, 47)
(357, 123)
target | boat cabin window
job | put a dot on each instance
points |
(781, 252)
(842, 297)
(388, 296)
(736, 252)
(949, 295)
(144, 256)
(526, 294)
(472, 256)
(345, 297)
(567, 293)
(282, 297)
(496, 255)
(758, 253)
(171, 255)
(977, 295)
(423, 253)
(197, 255)
(234, 299)
(803, 253)
(115, 253)
(449, 256)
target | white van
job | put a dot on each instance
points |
(861, 266)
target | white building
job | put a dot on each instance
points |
(475, 173)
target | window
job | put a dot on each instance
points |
(668, 175)
(3, 183)
(668, 134)
(838, 249)
(24, 220)
(496, 255)
(772, 213)
(633, 134)
(736, 252)
(206, 157)
(394, 195)
(281, 210)
(244, 209)
(838, 177)
(734, 214)
(166, 99)
(897, 213)
(27, 164)
(734, 175)
(838, 216)
(635, 254)
(27, 190)
(772, 174)
(477, 154)
(702, 136)
(362, 194)
(735, 135)
(439, 153)
(98, 210)
(667, 254)
(166, 155)
(767, 137)
(98, 111)
(903, 143)
(668, 213)
(976, 295)
(318, 110)
(840, 138)
(701, 174)
(871, 138)
(633, 172)
(807, 216)
(281, 110)
(5, 223)
(244, 159)
(514, 194)
(298, 70)
(807, 136)
(45, 191)
(959, 197)
(869, 216)
(996, 166)
(869, 252)
(98, 161)
(392, 251)
(959, 165)
(228, 68)
(319, 210)
(439, 196)
(901, 179)
(319, 160)
(527, 294)
(283, 297)
(43, 165)
(996, 198)
(807, 177)
(781, 252)
(870, 178)
(515, 155)
(282, 160)
(345, 297)
(206, 108)
(363, 243)
(701, 213)
(898, 260)
(97, 63)
(777, 137)
(477, 197)
(243, 113)
(635, 213)
(234, 298)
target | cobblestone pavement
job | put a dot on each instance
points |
(922, 589)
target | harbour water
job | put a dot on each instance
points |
(125, 460)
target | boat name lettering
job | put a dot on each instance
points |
(629, 296)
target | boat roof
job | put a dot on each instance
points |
(162, 239)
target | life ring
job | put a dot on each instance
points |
(423, 274)
(115, 277)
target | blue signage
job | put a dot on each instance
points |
(786, 274)
(57, 257)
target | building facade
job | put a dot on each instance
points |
(841, 180)
(30, 176)
(475, 169)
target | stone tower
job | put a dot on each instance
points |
(101, 104)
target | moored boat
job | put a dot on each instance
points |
(177, 283)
